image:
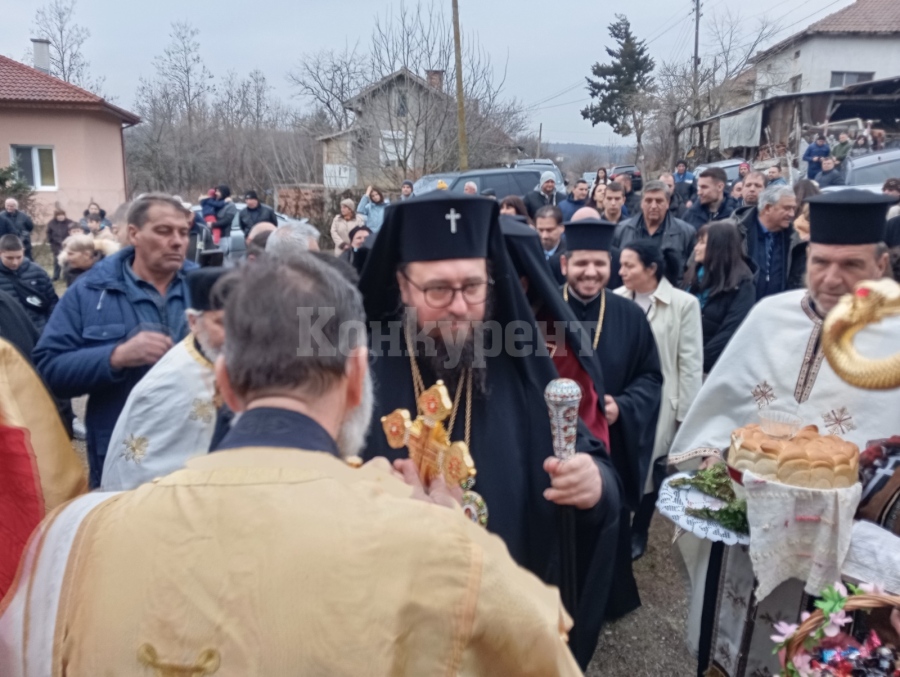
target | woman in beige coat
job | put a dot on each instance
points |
(343, 223)
(674, 317)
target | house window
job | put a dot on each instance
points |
(796, 82)
(36, 165)
(797, 54)
(402, 105)
(395, 149)
(844, 78)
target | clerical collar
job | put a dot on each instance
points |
(575, 296)
(273, 427)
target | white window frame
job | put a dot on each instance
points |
(35, 163)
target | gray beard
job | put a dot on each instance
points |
(206, 346)
(450, 360)
(355, 427)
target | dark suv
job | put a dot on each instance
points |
(503, 181)
(637, 181)
(869, 172)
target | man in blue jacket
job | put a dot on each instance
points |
(118, 320)
(813, 156)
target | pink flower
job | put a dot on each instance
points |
(841, 588)
(835, 622)
(872, 588)
(802, 664)
(785, 632)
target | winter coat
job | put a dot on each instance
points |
(814, 150)
(685, 186)
(340, 230)
(568, 207)
(795, 253)
(537, 199)
(250, 217)
(17, 223)
(374, 213)
(698, 215)
(675, 321)
(677, 208)
(678, 236)
(105, 308)
(224, 218)
(632, 203)
(57, 232)
(32, 288)
(721, 315)
(842, 150)
(832, 178)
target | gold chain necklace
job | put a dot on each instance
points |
(419, 387)
(599, 319)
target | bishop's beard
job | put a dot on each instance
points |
(452, 354)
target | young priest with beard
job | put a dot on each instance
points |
(622, 340)
(437, 271)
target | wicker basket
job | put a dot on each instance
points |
(815, 620)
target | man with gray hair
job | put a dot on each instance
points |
(293, 238)
(15, 222)
(656, 222)
(772, 243)
(225, 540)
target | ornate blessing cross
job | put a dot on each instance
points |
(453, 216)
(427, 439)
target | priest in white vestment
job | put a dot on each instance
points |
(170, 415)
(775, 362)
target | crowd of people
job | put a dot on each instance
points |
(380, 404)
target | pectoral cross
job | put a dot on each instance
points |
(427, 439)
(453, 216)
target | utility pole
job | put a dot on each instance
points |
(695, 82)
(460, 99)
(540, 136)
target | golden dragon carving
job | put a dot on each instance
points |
(871, 302)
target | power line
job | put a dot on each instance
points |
(557, 95)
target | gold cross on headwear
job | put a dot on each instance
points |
(427, 439)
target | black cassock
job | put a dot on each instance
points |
(633, 377)
(510, 436)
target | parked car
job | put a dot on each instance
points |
(637, 181)
(235, 245)
(544, 165)
(429, 182)
(730, 166)
(504, 181)
(869, 172)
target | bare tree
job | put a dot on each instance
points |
(328, 78)
(55, 22)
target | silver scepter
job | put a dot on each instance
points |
(563, 395)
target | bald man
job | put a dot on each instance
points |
(261, 227)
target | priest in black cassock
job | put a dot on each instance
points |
(439, 280)
(623, 342)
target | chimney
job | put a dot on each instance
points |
(41, 55)
(435, 79)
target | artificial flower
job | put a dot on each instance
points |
(784, 631)
(835, 622)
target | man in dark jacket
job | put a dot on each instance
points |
(256, 212)
(26, 281)
(685, 183)
(713, 203)
(813, 156)
(654, 221)
(632, 199)
(119, 320)
(575, 201)
(677, 208)
(545, 195)
(830, 174)
(57, 232)
(771, 242)
(14, 222)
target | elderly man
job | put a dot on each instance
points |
(119, 320)
(775, 363)
(15, 222)
(772, 243)
(437, 285)
(170, 415)
(545, 194)
(293, 238)
(632, 378)
(197, 573)
(713, 203)
(470, 188)
(656, 222)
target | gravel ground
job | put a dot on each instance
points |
(650, 641)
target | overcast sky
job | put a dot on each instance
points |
(550, 47)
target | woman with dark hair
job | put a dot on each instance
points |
(372, 207)
(860, 145)
(722, 280)
(601, 179)
(803, 190)
(674, 317)
(513, 205)
(221, 226)
(595, 199)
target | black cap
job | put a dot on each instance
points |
(356, 229)
(407, 182)
(848, 217)
(589, 235)
(251, 195)
(438, 226)
(200, 284)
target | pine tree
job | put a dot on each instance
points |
(624, 87)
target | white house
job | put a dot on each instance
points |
(856, 44)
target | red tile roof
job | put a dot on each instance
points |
(23, 84)
(866, 17)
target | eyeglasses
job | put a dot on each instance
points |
(441, 296)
